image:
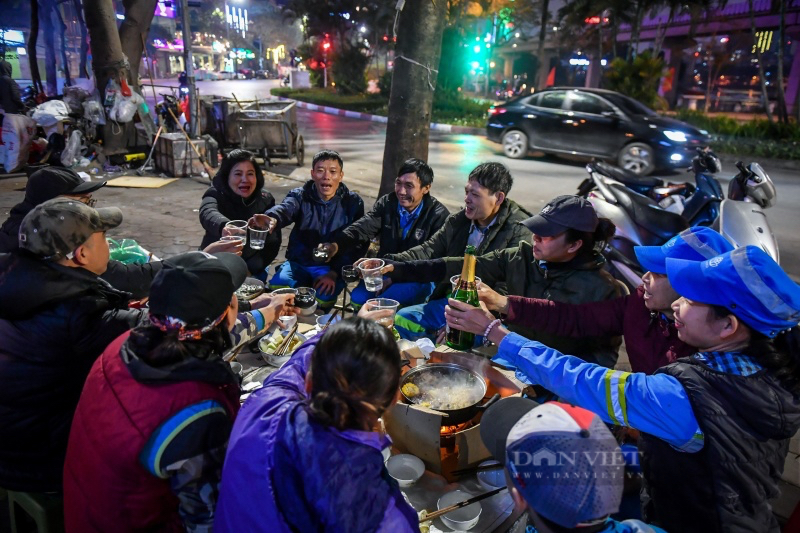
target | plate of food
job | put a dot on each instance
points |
(251, 288)
(269, 343)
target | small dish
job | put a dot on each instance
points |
(462, 519)
(269, 357)
(405, 468)
(491, 479)
(236, 367)
(322, 320)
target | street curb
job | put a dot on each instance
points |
(447, 128)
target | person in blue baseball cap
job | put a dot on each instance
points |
(643, 318)
(715, 427)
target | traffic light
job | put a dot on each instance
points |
(326, 46)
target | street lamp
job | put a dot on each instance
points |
(326, 45)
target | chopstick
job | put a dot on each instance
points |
(284, 345)
(459, 505)
(330, 319)
(473, 469)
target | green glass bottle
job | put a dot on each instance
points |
(466, 291)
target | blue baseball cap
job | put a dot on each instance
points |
(694, 244)
(747, 282)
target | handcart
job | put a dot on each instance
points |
(267, 128)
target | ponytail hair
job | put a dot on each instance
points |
(780, 355)
(159, 348)
(593, 241)
(355, 373)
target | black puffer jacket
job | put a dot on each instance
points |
(54, 322)
(220, 205)
(133, 278)
(383, 221)
(10, 99)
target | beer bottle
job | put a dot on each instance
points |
(466, 291)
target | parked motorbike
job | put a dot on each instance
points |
(698, 203)
(641, 221)
(163, 116)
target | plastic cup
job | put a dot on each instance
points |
(380, 304)
(233, 238)
(350, 274)
(257, 238)
(371, 273)
(236, 227)
(454, 282)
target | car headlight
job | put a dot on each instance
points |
(674, 135)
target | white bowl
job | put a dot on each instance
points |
(491, 479)
(405, 468)
(309, 311)
(274, 360)
(236, 367)
(462, 519)
(322, 320)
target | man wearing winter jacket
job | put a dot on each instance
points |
(401, 220)
(52, 182)
(490, 221)
(56, 317)
(320, 210)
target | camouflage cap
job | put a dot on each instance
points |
(57, 227)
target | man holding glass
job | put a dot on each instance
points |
(401, 220)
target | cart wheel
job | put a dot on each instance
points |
(301, 151)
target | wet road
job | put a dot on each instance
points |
(452, 156)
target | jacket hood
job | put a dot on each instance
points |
(310, 190)
(211, 370)
(5, 68)
(221, 184)
(28, 284)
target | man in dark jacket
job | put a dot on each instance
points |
(555, 266)
(320, 210)
(237, 193)
(10, 99)
(401, 220)
(52, 182)
(490, 221)
(56, 317)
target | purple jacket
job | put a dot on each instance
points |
(284, 471)
(651, 341)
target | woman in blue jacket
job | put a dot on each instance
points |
(302, 455)
(715, 426)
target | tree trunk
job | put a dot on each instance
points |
(419, 42)
(49, 30)
(762, 78)
(542, 35)
(107, 62)
(33, 61)
(138, 16)
(783, 114)
(78, 7)
(64, 59)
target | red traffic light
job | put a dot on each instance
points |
(326, 46)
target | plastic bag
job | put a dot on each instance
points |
(127, 251)
(18, 130)
(74, 97)
(50, 113)
(73, 149)
(124, 108)
(94, 111)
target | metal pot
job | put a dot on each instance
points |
(450, 371)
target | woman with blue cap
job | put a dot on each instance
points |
(715, 426)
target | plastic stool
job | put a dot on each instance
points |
(46, 509)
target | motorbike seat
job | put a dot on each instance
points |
(647, 213)
(626, 176)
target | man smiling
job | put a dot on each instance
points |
(319, 210)
(402, 219)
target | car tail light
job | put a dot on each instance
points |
(496, 110)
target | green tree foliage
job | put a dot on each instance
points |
(348, 68)
(637, 78)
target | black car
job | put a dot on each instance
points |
(595, 123)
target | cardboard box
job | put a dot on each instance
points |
(417, 430)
